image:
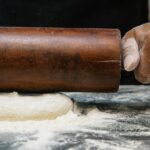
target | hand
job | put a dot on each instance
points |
(136, 52)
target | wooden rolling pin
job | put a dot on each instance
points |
(59, 59)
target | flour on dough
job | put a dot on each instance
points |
(33, 107)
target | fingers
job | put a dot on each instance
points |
(136, 52)
(142, 72)
(131, 55)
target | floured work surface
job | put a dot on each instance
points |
(120, 121)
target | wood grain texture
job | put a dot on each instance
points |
(59, 59)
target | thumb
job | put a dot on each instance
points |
(131, 55)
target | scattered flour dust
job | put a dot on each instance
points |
(45, 131)
(64, 122)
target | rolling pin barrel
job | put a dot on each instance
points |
(59, 59)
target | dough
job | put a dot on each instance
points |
(15, 107)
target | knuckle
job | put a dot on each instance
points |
(142, 78)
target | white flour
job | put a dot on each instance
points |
(45, 130)
(47, 134)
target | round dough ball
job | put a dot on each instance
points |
(15, 107)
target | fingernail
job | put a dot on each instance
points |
(129, 64)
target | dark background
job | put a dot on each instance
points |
(122, 14)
